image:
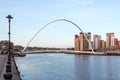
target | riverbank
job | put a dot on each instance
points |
(3, 63)
(15, 71)
(105, 53)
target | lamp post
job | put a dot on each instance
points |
(9, 20)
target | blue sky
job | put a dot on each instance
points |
(95, 16)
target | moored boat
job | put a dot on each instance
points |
(21, 54)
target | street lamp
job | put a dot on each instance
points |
(9, 20)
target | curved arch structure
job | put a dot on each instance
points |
(57, 21)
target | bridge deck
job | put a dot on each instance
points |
(75, 52)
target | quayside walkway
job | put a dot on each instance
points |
(2, 66)
(3, 63)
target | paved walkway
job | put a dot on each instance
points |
(2, 66)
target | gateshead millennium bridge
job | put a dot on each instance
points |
(57, 21)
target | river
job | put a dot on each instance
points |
(61, 66)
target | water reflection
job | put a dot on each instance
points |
(96, 67)
(82, 67)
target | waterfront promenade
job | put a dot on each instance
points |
(3, 62)
(2, 66)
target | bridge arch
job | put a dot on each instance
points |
(57, 21)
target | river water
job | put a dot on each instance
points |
(61, 66)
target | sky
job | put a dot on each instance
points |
(95, 16)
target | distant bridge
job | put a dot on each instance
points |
(63, 51)
(104, 53)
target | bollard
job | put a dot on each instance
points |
(9, 59)
(8, 76)
(8, 62)
(8, 66)
(8, 70)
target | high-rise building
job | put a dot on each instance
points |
(118, 43)
(81, 42)
(76, 42)
(96, 41)
(81, 37)
(102, 44)
(110, 40)
(87, 44)
(115, 42)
